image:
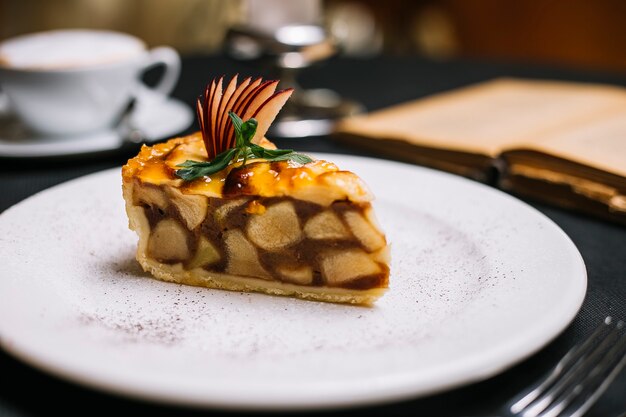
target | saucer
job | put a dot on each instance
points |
(147, 123)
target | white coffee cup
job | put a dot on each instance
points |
(72, 82)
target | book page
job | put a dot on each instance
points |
(599, 142)
(489, 117)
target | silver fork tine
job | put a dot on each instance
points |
(596, 383)
(571, 377)
(565, 363)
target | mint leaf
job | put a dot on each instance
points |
(295, 157)
(248, 129)
(244, 131)
(279, 154)
(194, 169)
(261, 152)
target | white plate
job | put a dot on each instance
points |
(155, 121)
(479, 281)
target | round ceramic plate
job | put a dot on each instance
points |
(479, 281)
(156, 120)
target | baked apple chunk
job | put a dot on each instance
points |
(266, 220)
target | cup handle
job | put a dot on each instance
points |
(164, 55)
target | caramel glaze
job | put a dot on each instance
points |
(157, 165)
(303, 252)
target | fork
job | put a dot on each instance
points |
(578, 380)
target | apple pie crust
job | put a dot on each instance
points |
(273, 227)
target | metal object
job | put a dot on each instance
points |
(578, 380)
(285, 52)
(127, 129)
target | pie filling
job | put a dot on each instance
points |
(276, 238)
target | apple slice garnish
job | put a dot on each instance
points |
(267, 112)
(229, 105)
(230, 89)
(215, 104)
(209, 141)
(199, 112)
(258, 99)
(229, 132)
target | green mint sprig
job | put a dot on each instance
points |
(244, 150)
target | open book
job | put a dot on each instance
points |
(558, 142)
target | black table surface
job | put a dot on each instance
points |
(377, 83)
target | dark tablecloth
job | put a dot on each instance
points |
(376, 83)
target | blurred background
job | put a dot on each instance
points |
(573, 33)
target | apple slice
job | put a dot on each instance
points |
(200, 113)
(240, 109)
(229, 105)
(245, 93)
(206, 92)
(242, 97)
(238, 103)
(262, 93)
(230, 89)
(207, 121)
(267, 112)
(200, 118)
(241, 103)
(215, 104)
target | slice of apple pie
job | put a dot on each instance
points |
(223, 208)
